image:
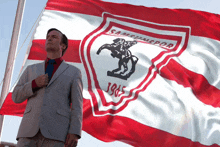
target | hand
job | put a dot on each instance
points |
(71, 140)
(42, 80)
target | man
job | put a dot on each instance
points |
(49, 88)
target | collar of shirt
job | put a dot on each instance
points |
(57, 60)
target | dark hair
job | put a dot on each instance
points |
(64, 39)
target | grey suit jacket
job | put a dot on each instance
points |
(48, 109)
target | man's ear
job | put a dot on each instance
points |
(63, 46)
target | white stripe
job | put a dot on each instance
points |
(170, 107)
(74, 26)
(202, 56)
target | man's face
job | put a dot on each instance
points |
(53, 42)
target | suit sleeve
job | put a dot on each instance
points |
(77, 105)
(23, 89)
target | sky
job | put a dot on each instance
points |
(32, 10)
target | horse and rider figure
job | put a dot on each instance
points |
(120, 49)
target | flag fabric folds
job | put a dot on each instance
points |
(150, 75)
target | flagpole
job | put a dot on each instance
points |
(11, 56)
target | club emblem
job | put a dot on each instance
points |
(123, 57)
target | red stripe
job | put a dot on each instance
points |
(204, 24)
(201, 88)
(10, 108)
(110, 128)
(38, 52)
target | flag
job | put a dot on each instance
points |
(150, 75)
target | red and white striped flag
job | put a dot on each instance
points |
(150, 76)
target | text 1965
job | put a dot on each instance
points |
(115, 90)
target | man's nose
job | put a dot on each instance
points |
(49, 38)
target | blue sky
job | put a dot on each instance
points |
(32, 10)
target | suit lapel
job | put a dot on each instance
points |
(63, 66)
(41, 68)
